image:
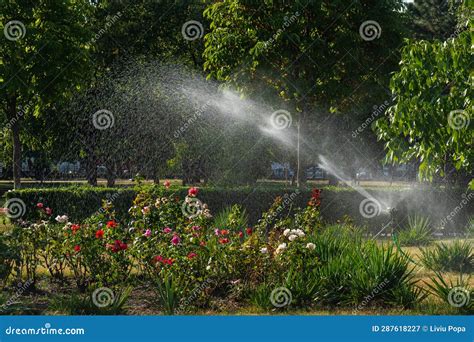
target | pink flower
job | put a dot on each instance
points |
(167, 184)
(216, 231)
(147, 233)
(191, 255)
(48, 211)
(175, 240)
(192, 192)
(196, 228)
(167, 230)
(39, 205)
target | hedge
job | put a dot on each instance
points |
(80, 202)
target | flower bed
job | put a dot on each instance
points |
(186, 257)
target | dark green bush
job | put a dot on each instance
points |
(9, 255)
(418, 232)
(79, 202)
(455, 257)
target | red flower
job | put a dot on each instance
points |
(75, 228)
(316, 193)
(224, 240)
(241, 235)
(315, 200)
(117, 246)
(159, 258)
(39, 205)
(48, 211)
(175, 240)
(167, 184)
(192, 192)
(111, 224)
(99, 234)
(249, 231)
(191, 255)
(224, 232)
(77, 248)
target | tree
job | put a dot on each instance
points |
(433, 19)
(311, 55)
(431, 120)
(42, 56)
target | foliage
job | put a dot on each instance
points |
(9, 255)
(430, 121)
(457, 295)
(233, 217)
(418, 232)
(432, 19)
(79, 202)
(83, 304)
(453, 257)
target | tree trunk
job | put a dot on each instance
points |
(15, 127)
(91, 169)
(110, 178)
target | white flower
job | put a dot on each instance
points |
(292, 237)
(286, 232)
(311, 246)
(300, 233)
(62, 219)
(280, 248)
(264, 250)
(208, 267)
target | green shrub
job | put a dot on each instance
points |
(457, 296)
(418, 232)
(235, 218)
(9, 255)
(85, 304)
(457, 256)
(79, 202)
